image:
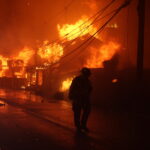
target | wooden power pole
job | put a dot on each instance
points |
(140, 52)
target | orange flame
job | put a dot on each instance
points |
(98, 56)
(66, 84)
(25, 55)
(79, 29)
(51, 52)
(3, 66)
(3, 60)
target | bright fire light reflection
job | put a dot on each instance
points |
(66, 84)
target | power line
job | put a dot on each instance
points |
(125, 4)
(95, 16)
(95, 21)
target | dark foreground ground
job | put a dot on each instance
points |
(29, 122)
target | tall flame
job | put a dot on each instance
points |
(25, 54)
(51, 52)
(3, 66)
(98, 56)
(79, 29)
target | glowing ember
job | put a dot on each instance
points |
(79, 29)
(98, 56)
(51, 52)
(66, 84)
(114, 80)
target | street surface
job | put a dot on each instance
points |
(30, 122)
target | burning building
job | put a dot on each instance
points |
(85, 40)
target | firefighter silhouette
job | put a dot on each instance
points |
(79, 93)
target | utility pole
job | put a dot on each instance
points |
(140, 52)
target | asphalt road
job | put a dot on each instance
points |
(27, 123)
(20, 130)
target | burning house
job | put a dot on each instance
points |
(48, 67)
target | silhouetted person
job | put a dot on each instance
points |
(79, 93)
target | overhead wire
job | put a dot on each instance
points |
(95, 16)
(122, 6)
(95, 21)
(101, 10)
(70, 42)
(126, 3)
